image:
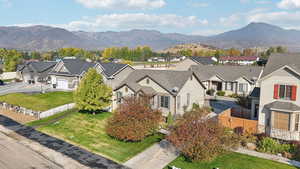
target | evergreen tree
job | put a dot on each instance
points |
(92, 94)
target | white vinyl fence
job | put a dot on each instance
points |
(56, 110)
(8, 75)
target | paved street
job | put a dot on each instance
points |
(17, 156)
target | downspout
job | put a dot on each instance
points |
(175, 106)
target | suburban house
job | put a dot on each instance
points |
(239, 80)
(68, 72)
(276, 104)
(170, 91)
(195, 60)
(239, 60)
(35, 72)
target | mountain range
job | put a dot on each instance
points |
(44, 38)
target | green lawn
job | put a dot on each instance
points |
(88, 131)
(38, 102)
(231, 161)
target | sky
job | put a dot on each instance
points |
(197, 17)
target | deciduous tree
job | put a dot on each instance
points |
(92, 94)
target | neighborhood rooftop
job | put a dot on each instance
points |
(111, 68)
(169, 80)
(277, 61)
(203, 60)
(227, 73)
(76, 66)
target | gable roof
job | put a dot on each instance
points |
(37, 66)
(202, 60)
(167, 79)
(75, 67)
(277, 61)
(239, 58)
(283, 106)
(226, 72)
(111, 68)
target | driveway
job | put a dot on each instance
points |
(23, 88)
(221, 105)
(17, 156)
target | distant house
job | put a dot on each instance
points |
(170, 91)
(157, 59)
(35, 71)
(240, 60)
(276, 104)
(230, 79)
(195, 60)
(68, 72)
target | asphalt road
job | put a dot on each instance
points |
(16, 156)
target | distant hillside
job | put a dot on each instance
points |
(49, 38)
(195, 47)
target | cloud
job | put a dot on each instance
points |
(289, 4)
(198, 4)
(123, 4)
(283, 18)
(130, 21)
(135, 21)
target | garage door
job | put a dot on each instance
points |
(62, 84)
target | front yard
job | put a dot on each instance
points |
(88, 131)
(38, 102)
(231, 161)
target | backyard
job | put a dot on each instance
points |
(231, 161)
(88, 131)
(38, 102)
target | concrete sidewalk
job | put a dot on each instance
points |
(156, 157)
(268, 157)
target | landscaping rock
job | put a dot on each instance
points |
(250, 146)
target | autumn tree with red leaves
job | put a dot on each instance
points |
(199, 138)
(134, 120)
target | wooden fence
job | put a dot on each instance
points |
(246, 125)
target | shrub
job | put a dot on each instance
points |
(199, 138)
(210, 92)
(133, 120)
(221, 93)
(273, 146)
(234, 95)
(170, 119)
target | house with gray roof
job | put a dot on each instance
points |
(68, 72)
(195, 60)
(239, 80)
(276, 104)
(35, 72)
(169, 91)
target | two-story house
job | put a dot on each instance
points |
(277, 103)
(170, 91)
(239, 80)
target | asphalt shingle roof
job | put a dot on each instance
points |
(167, 79)
(111, 68)
(277, 105)
(77, 66)
(255, 92)
(277, 61)
(226, 72)
(203, 60)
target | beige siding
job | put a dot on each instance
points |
(197, 94)
(118, 78)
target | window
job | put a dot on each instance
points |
(191, 77)
(148, 81)
(281, 120)
(126, 89)
(188, 99)
(285, 92)
(243, 87)
(178, 102)
(297, 122)
(165, 101)
(119, 97)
